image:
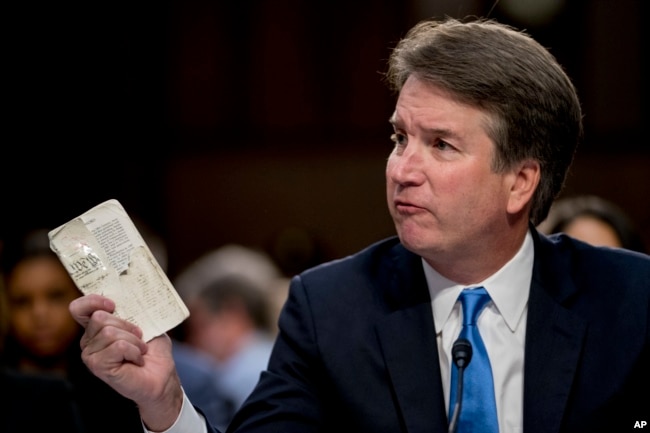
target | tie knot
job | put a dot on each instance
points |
(473, 302)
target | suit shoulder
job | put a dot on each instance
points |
(364, 259)
(561, 243)
(594, 263)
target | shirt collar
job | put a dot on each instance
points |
(508, 287)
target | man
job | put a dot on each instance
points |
(485, 128)
(230, 322)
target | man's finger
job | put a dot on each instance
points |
(83, 307)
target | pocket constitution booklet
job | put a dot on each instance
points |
(105, 253)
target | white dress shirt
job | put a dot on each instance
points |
(188, 420)
(502, 325)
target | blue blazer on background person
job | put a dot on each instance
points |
(586, 355)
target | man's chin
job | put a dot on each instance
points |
(413, 242)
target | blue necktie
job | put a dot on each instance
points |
(479, 412)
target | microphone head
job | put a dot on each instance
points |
(461, 352)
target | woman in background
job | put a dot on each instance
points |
(594, 220)
(42, 339)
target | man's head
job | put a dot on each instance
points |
(226, 313)
(534, 112)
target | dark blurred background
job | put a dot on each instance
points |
(265, 122)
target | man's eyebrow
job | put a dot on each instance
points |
(441, 132)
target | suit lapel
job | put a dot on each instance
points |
(554, 340)
(408, 342)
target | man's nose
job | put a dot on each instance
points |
(407, 167)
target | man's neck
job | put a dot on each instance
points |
(473, 268)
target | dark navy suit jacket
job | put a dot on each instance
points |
(357, 347)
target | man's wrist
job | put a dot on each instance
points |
(161, 415)
(189, 419)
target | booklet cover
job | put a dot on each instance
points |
(105, 253)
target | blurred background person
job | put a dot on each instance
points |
(230, 320)
(200, 378)
(236, 259)
(42, 339)
(594, 220)
(41, 330)
(32, 403)
(234, 294)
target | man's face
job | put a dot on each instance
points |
(442, 194)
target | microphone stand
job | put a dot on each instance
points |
(462, 354)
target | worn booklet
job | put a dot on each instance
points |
(105, 253)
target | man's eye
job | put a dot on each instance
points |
(442, 145)
(398, 138)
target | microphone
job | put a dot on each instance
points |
(461, 353)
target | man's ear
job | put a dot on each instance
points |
(526, 179)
